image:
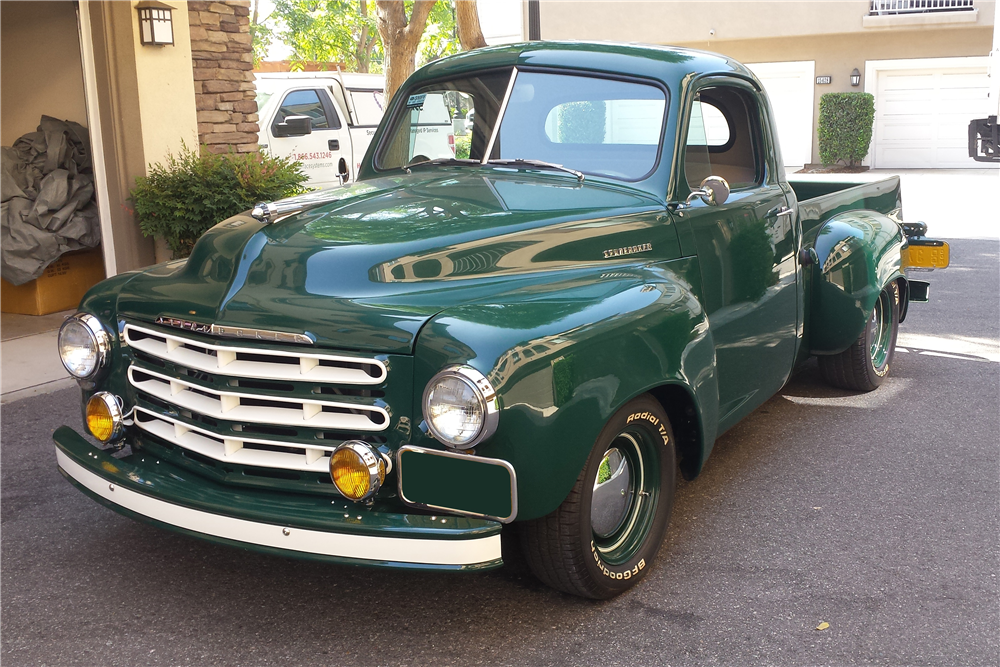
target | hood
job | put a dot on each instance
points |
(365, 272)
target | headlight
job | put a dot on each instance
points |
(83, 345)
(461, 407)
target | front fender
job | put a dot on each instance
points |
(859, 254)
(565, 358)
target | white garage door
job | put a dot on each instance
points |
(790, 88)
(922, 116)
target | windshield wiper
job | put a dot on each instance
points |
(443, 160)
(540, 164)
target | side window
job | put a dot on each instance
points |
(307, 103)
(368, 104)
(723, 139)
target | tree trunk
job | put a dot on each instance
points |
(470, 34)
(400, 38)
(361, 53)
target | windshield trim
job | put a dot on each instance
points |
(500, 113)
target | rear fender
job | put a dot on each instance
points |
(565, 359)
(859, 253)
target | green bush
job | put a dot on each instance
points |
(845, 127)
(463, 145)
(180, 200)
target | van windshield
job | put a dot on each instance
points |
(598, 126)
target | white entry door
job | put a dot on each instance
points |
(922, 114)
(790, 88)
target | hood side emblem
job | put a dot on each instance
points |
(629, 250)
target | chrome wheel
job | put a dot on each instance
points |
(881, 330)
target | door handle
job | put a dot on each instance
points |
(333, 144)
(779, 211)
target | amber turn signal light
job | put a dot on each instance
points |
(104, 417)
(357, 470)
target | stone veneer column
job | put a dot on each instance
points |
(222, 54)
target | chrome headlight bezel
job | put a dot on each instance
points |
(486, 396)
(99, 336)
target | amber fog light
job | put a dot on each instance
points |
(104, 417)
(357, 470)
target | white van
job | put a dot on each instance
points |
(325, 120)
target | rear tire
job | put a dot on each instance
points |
(601, 548)
(865, 364)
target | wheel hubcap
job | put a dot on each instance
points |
(625, 495)
(612, 494)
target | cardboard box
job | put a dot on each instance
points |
(61, 287)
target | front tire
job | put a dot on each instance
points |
(605, 535)
(865, 364)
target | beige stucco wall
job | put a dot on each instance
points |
(166, 90)
(673, 22)
(40, 66)
(830, 33)
(838, 55)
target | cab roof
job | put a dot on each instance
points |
(667, 64)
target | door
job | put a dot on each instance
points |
(319, 151)
(746, 248)
(922, 116)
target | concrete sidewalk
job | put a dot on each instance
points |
(29, 362)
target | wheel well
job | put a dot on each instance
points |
(680, 408)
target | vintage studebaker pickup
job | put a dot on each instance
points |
(545, 327)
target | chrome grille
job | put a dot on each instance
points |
(255, 363)
(254, 407)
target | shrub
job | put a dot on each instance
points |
(181, 199)
(845, 127)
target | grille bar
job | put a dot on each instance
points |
(257, 409)
(234, 450)
(253, 362)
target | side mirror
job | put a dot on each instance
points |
(293, 126)
(714, 191)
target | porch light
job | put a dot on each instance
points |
(156, 26)
(855, 77)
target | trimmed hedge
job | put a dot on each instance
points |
(845, 127)
(181, 199)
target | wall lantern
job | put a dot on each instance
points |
(156, 27)
(855, 77)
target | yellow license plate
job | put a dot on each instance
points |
(921, 256)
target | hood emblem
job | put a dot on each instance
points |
(236, 332)
(628, 250)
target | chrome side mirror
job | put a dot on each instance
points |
(714, 191)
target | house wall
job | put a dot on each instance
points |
(839, 35)
(40, 66)
(165, 90)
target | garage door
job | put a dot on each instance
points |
(922, 116)
(790, 88)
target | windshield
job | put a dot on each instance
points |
(597, 126)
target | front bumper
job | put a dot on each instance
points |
(295, 525)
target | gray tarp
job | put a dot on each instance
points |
(48, 199)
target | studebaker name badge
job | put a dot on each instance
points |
(628, 250)
(235, 332)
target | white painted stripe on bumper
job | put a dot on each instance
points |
(396, 549)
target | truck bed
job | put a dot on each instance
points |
(821, 200)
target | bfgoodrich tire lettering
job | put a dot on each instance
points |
(567, 552)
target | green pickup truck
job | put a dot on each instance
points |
(544, 326)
